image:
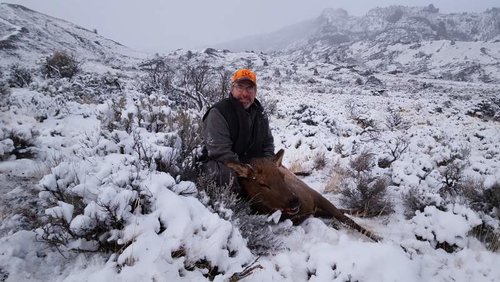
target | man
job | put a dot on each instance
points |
(236, 129)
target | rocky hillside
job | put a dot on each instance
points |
(397, 39)
(27, 35)
(389, 25)
(399, 24)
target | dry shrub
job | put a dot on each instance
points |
(416, 200)
(488, 235)
(19, 76)
(395, 121)
(296, 166)
(452, 177)
(361, 190)
(395, 147)
(158, 76)
(368, 196)
(480, 198)
(340, 149)
(338, 176)
(319, 160)
(190, 134)
(60, 64)
(4, 93)
(362, 162)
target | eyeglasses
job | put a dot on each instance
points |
(241, 87)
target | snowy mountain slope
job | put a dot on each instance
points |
(105, 156)
(394, 24)
(410, 40)
(443, 59)
(27, 36)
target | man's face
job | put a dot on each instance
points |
(244, 91)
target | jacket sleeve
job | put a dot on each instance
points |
(268, 144)
(217, 137)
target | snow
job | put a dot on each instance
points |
(63, 210)
(314, 250)
(439, 226)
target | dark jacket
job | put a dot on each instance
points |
(232, 132)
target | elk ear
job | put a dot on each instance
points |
(242, 170)
(278, 158)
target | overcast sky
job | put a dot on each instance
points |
(160, 26)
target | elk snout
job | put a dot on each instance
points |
(293, 206)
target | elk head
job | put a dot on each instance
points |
(264, 184)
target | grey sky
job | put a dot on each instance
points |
(160, 26)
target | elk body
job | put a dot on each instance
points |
(271, 187)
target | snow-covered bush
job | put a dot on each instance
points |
(270, 105)
(353, 109)
(4, 89)
(451, 162)
(359, 114)
(394, 120)
(487, 109)
(85, 88)
(446, 229)
(94, 88)
(416, 200)
(60, 64)
(157, 77)
(37, 105)
(190, 85)
(164, 140)
(136, 217)
(394, 148)
(153, 113)
(112, 194)
(89, 215)
(19, 76)
(18, 143)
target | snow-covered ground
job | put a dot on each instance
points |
(167, 233)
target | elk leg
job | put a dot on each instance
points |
(324, 204)
(322, 213)
(354, 212)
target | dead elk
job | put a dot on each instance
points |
(271, 187)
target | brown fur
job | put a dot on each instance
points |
(271, 187)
